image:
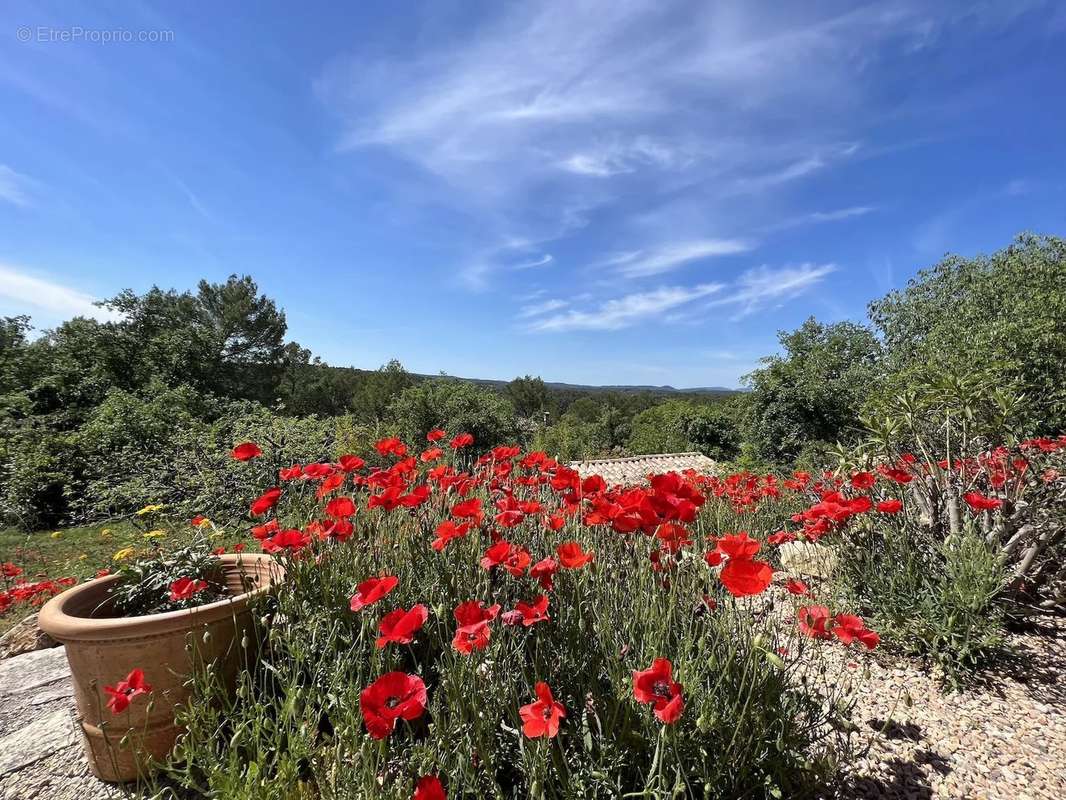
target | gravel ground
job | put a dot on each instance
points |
(1002, 737)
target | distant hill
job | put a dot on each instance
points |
(582, 388)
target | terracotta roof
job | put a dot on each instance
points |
(636, 469)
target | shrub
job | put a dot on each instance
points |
(454, 405)
(932, 599)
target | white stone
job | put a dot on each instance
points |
(37, 740)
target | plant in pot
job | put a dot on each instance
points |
(134, 638)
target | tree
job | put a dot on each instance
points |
(376, 390)
(529, 395)
(812, 394)
(1000, 317)
(247, 334)
(456, 407)
(680, 426)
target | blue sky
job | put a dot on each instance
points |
(596, 192)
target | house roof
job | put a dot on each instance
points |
(636, 469)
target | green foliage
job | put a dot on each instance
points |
(375, 391)
(143, 586)
(1001, 316)
(456, 407)
(676, 426)
(529, 396)
(813, 392)
(931, 598)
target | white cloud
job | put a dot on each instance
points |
(618, 158)
(29, 294)
(763, 286)
(624, 311)
(818, 217)
(642, 263)
(545, 307)
(544, 260)
(707, 108)
(13, 186)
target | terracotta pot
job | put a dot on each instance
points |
(103, 649)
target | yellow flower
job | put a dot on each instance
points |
(156, 534)
(105, 533)
(83, 556)
(123, 554)
(152, 509)
(205, 522)
(57, 534)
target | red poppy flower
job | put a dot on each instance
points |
(429, 787)
(294, 540)
(447, 531)
(542, 717)
(511, 557)
(848, 628)
(350, 463)
(246, 451)
(266, 501)
(713, 558)
(673, 536)
(781, 537)
(333, 481)
(126, 690)
(340, 507)
(891, 506)
(400, 627)
(813, 621)
(290, 473)
(468, 508)
(266, 529)
(742, 577)
(432, 454)
(863, 480)
(979, 502)
(393, 696)
(473, 631)
(462, 440)
(391, 446)
(554, 522)
(738, 546)
(543, 571)
(184, 588)
(656, 685)
(572, 556)
(373, 589)
(435, 435)
(534, 612)
(9, 570)
(796, 586)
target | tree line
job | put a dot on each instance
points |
(98, 417)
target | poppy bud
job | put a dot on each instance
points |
(775, 660)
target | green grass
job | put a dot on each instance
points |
(82, 551)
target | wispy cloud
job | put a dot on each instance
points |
(545, 307)
(755, 289)
(30, 294)
(546, 115)
(642, 263)
(14, 188)
(619, 158)
(819, 217)
(544, 260)
(624, 311)
(764, 286)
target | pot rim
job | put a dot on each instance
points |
(55, 617)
